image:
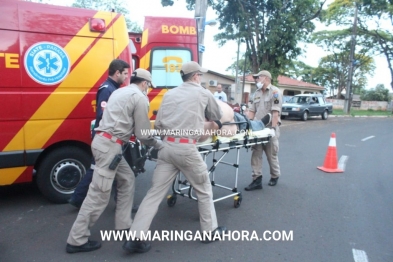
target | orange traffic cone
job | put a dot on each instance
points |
(330, 165)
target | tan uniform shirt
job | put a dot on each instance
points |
(127, 113)
(183, 110)
(265, 102)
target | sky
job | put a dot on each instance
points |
(218, 58)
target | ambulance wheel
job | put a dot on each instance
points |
(60, 171)
(237, 201)
(171, 200)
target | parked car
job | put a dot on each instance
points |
(285, 99)
(305, 105)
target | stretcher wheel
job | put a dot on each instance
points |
(171, 200)
(237, 201)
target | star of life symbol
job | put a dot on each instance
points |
(47, 63)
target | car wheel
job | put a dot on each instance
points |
(60, 172)
(305, 116)
(282, 117)
(325, 115)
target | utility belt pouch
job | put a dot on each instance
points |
(135, 155)
(115, 162)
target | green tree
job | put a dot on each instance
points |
(190, 3)
(375, 25)
(379, 93)
(119, 6)
(241, 69)
(271, 29)
(301, 71)
(332, 71)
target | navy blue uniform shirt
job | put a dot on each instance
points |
(102, 97)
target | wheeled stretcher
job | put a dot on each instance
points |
(181, 187)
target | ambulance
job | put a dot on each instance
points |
(165, 44)
(52, 61)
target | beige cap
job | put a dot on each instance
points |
(263, 73)
(190, 67)
(144, 74)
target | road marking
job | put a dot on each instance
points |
(367, 138)
(359, 255)
(350, 145)
(342, 162)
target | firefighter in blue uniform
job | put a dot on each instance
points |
(118, 74)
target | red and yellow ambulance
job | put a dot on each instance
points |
(52, 60)
(165, 44)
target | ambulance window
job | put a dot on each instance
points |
(135, 62)
(166, 65)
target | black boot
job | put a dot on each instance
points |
(273, 181)
(256, 184)
(74, 203)
(89, 246)
(213, 235)
(136, 246)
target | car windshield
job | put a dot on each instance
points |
(299, 100)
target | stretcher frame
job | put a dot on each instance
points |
(181, 187)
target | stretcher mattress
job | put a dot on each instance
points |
(250, 135)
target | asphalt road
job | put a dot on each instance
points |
(332, 217)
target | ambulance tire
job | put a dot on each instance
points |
(60, 172)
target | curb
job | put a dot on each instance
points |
(358, 116)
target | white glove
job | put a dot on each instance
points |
(272, 132)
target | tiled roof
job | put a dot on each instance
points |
(286, 81)
(248, 78)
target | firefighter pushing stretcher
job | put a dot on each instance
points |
(124, 115)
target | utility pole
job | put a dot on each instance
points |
(237, 88)
(348, 96)
(200, 15)
(244, 79)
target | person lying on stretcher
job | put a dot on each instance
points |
(229, 130)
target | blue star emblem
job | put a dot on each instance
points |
(48, 63)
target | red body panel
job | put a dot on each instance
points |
(29, 106)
